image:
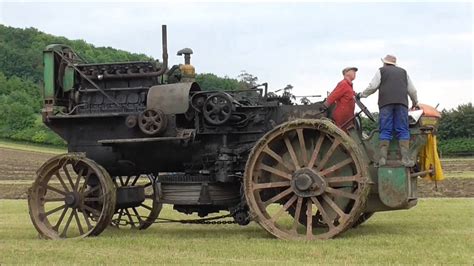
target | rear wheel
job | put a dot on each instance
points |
(307, 180)
(72, 197)
(140, 215)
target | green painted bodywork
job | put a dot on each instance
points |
(50, 70)
(391, 187)
(48, 88)
(68, 79)
(394, 186)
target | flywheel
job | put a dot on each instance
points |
(306, 179)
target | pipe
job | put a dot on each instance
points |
(422, 173)
(164, 40)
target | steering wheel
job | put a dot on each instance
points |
(364, 109)
(218, 108)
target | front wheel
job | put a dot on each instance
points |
(72, 197)
(306, 171)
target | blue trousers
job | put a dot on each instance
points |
(394, 117)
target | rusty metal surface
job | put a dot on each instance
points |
(171, 98)
(72, 197)
(313, 166)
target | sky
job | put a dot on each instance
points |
(302, 44)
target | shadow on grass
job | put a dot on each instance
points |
(195, 232)
(252, 231)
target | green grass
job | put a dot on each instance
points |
(437, 231)
(26, 146)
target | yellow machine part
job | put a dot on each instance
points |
(429, 159)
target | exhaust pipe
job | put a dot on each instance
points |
(164, 40)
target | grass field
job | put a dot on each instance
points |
(437, 231)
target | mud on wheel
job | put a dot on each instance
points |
(145, 209)
(71, 197)
(306, 180)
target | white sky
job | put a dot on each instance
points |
(303, 44)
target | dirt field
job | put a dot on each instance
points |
(17, 170)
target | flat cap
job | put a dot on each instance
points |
(349, 69)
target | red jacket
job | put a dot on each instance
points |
(343, 96)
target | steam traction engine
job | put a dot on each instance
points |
(141, 134)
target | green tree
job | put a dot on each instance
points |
(246, 80)
(211, 82)
(457, 122)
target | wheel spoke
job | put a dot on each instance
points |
(135, 180)
(275, 171)
(297, 213)
(58, 176)
(278, 196)
(285, 207)
(78, 180)
(127, 180)
(53, 199)
(277, 157)
(66, 227)
(316, 150)
(121, 181)
(68, 176)
(86, 217)
(92, 199)
(334, 206)
(328, 154)
(79, 226)
(302, 142)
(92, 190)
(58, 223)
(54, 189)
(309, 220)
(132, 223)
(92, 210)
(271, 185)
(323, 212)
(140, 220)
(337, 166)
(292, 152)
(146, 206)
(341, 193)
(54, 210)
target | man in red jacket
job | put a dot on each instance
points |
(343, 96)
